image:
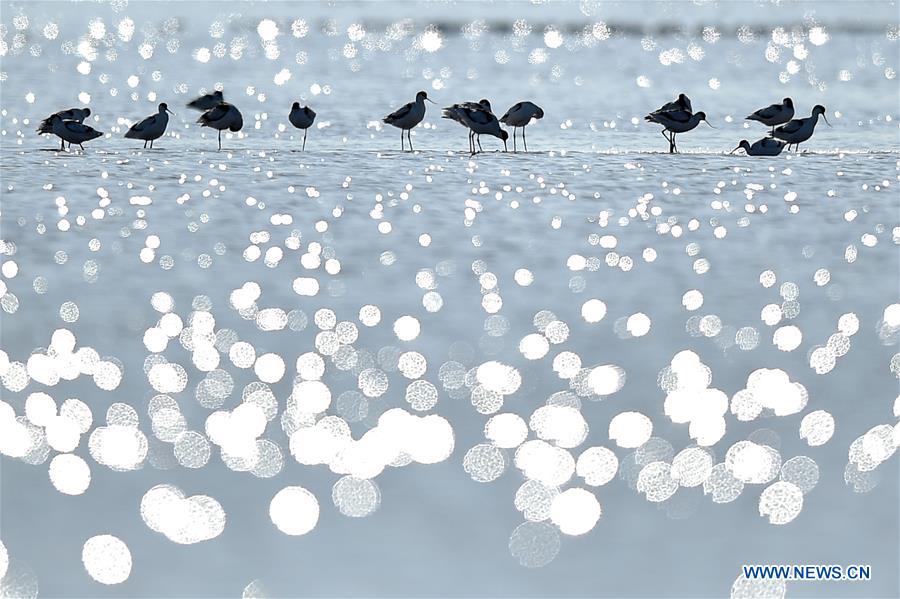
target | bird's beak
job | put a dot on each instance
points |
(735, 150)
(170, 112)
(826, 119)
(432, 101)
(707, 122)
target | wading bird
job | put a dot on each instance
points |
(302, 118)
(676, 121)
(799, 130)
(72, 114)
(767, 146)
(450, 112)
(480, 121)
(408, 116)
(519, 116)
(774, 115)
(72, 132)
(152, 127)
(222, 116)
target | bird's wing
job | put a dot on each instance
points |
(687, 104)
(401, 112)
(214, 114)
(679, 116)
(768, 112)
(481, 116)
(144, 124)
(790, 126)
(515, 108)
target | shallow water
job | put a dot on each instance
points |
(593, 212)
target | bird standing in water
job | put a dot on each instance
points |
(72, 132)
(222, 116)
(302, 118)
(774, 115)
(798, 131)
(152, 127)
(767, 146)
(520, 115)
(408, 116)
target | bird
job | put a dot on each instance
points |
(302, 118)
(480, 121)
(798, 131)
(450, 112)
(71, 114)
(72, 132)
(408, 116)
(520, 115)
(767, 146)
(682, 102)
(676, 121)
(152, 127)
(222, 116)
(207, 101)
(774, 115)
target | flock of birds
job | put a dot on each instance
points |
(675, 117)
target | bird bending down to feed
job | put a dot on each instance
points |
(774, 115)
(72, 132)
(152, 127)
(207, 101)
(302, 118)
(72, 114)
(798, 131)
(480, 121)
(222, 116)
(450, 112)
(408, 116)
(676, 121)
(767, 146)
(682, 102)
(519, 116)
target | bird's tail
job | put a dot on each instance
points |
(45, 127)
(387, 120)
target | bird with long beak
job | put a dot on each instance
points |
(151, 128)
(408, 116)
(798, 131)
(676, 121)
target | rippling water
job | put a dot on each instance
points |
(748, 263)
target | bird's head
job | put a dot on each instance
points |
(744, 144)
(788, 102)
(163, 107)
(295, 106)
(504, 135)
(539, 114)
(421, 96)
(702, 116)
(87, 111)
(218, 94)
(819, 109)
(484, 103)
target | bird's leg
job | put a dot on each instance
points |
(471, 141)
(668, 139)
(480, 149)
(514, 140)
(672, 148)
(409, 138)
(304, 139)
(524, 141)
(402, 141)
(151, 144)
(81, 146)
(62, 145)
(220, 139)
(145, 144)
